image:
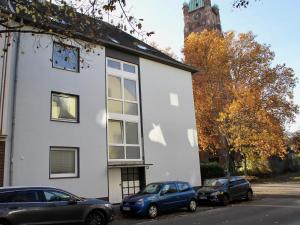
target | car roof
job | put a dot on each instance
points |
(19, 188)
(167, 182)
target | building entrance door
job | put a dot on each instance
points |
(133, 180)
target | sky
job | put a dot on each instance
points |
(275, 22)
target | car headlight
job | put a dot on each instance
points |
(216, 193)
(140, 202)
(108, 205)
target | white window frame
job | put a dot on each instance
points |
(124, 117)
(65, 175)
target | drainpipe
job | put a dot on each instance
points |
(15, 75)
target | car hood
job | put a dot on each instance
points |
(95, 201)
(210, 189)
(136, 197)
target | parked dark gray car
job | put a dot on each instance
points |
(45, 205)
(223, 190)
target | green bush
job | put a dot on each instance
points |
(211, 170)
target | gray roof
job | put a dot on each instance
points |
(108, 35)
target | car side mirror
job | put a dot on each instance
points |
(72, 201)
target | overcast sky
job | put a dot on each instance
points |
(275, 22)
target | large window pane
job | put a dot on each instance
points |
(114, 87)
(133, 153)
(64, 107)
(131, 108)
(130, 90)
(132, 135)
(114, 64)
(65, 57)
(116, 152)
(63, 161)
(115, 130)
(115, 106)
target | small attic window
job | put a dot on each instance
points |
(142, 47)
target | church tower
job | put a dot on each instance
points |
(200, 15)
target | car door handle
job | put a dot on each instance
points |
(13, 207)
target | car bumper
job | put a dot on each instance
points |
(210, 199)
(139, 210)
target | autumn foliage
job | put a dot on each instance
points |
(243, 101)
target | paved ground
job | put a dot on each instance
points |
(274, 204)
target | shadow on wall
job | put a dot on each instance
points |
(156, 135)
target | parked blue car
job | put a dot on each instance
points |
(158, 197)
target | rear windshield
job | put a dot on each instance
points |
(215, 182)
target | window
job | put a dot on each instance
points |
(64, 107)
(24, 196)
(129, 68)
(65, 57)
(63, 162)
(123, 111)
(113, 64)
(182, 187)
(56, 196)
(123, 141)
(169, 189)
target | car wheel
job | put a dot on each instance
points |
(249, 196)
(152, 211)
(95, 218)
(3, 222)
(225, 200)
(192, 205)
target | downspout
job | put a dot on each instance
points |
(15, 82)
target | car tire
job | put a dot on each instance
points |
(225, 200)
(95, 218)
(249, 196)
(152, 211)
(192, 207)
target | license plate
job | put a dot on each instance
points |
(203, 197)
(126, 208)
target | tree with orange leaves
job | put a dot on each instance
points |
(242, 101)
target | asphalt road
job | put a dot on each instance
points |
(270, 207)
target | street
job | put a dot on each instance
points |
(268, 208)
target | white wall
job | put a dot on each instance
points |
(35, 133)
(169, 124)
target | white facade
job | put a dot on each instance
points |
(166, 122)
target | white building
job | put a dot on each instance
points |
(99, 124)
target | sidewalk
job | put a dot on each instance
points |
(277, 189)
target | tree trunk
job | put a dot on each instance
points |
(245, 165)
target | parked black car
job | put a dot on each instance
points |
(45, 205)
(224, 190)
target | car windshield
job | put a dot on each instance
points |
(151, 189)
(215, 182)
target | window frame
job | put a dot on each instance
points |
(77, 120)
(69, 46)
(77, 163)
(124, 75)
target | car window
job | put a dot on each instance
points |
(182, 187)
(170, 188)
(56, 196)
(24, 196)
(5, 197)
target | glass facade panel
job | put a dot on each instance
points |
(115, 132)
(131, 109)
(116, 152)
(130, 90)
(114, 87)
(132, 135)
(115, 106)
(133, 153)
